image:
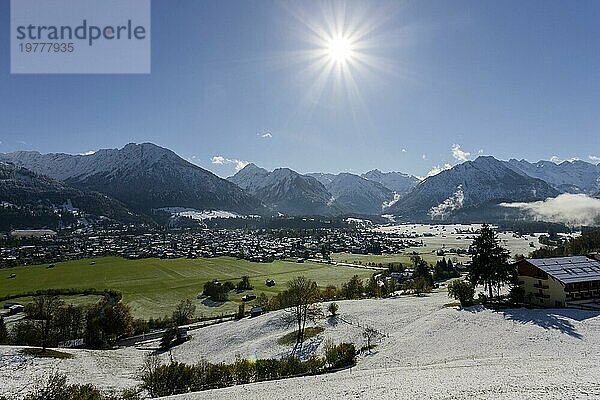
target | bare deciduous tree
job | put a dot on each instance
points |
(370, 334)
(300, 302)
(184, 312)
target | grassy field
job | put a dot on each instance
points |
(77, 300)
(425, 253)
(152, 287)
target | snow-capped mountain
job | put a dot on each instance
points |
(143, 176)
(482, 182)
(395, 181)
(568, 176)
(355, 193)
(34, 200)
(250, 177)
(287, 191)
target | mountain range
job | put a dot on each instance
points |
(567, 177)
(143, 178)
(285, 191)
(39, 200)
(479, 183)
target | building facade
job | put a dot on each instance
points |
(560, 281)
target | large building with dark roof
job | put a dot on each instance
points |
(560, 281)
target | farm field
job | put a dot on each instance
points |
(436, 237)
(404, 258)
(152, 287)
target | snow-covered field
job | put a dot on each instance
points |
(198, 214)
(428, 351)
(446, 236)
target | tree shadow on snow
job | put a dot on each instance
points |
(549, 319)
(332, 320)
(308, 348)
(555, 319)
(473, 309)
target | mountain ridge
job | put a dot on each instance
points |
(476, 183)
(40, 199)
(143, 176)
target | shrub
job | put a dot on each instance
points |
(291, 366)
(353, 289)
(262, 301)
(184, 312)
(241, 311)
(168, 337)
(330, 293)
(244, 284)
(314, 364)
(340, 356)
(217, 291)
(243, 371)
(83, 392)
(266, 369)
(418, 286)
(333, 309)
(169, 379)
(219, 375)
(462, 291)
(3, 332)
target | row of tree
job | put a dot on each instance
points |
(49, 321)
(175, 378)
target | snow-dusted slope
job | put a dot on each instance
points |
(24, 188)
(250, 177)
(287, 191)
(355, 193)
(143, 176)
(569, 176)
(395, 181)
(481, 182)
(427, 351)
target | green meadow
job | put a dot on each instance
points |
(152, 287)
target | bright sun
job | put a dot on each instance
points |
(339, 50)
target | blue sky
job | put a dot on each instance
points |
(510, 78)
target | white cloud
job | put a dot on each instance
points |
(403, 150)
(438, 168)
(571, 209)
(557, 160)
(459, 153)
(424, 157)
(592, 158)
(265, 135)
(452, 203)
(88, 153)
(220, 160)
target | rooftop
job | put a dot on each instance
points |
(569, 269)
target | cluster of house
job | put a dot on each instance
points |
(254, 245)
